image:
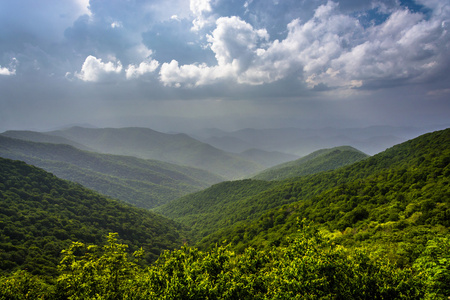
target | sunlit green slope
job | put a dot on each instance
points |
(214, 208)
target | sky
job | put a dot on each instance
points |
(178, 65)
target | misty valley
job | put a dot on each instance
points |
(287, 213)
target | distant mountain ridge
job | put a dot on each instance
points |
(144, 183)
(318, 161)
(150, 144)
(303, 141)
(267, 158)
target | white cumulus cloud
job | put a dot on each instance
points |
(200, 10)
(236, 46)
(95, 70)
(135, 71)
(5, 71)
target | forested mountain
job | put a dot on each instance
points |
(141, 182)
(41, 214)
(229, 202)
(150, 144)
(318, 161)
(216, 207)
(393, 202)
(400, 188)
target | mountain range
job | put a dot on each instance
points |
(400, 195)
(144, 183)
(149, 144)
(386, 215)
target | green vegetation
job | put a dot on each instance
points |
(393, 203)
(141, 182)
(227, 203)
(308, 267)
(381, 231)
(149, 144)
(216, 207)
(318, 161)
(41, 214)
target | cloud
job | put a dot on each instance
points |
(84, 7)
(330, 49)
(6, 71)
(95, 70)
(200, 10)
(144, 67)
(198, 7)
(11, 70)
(116, 24)
(235, 45)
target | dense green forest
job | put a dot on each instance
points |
(41, 214)
(318, 161)
(217, 207)
(344, 198)
(227, 203)
(141, 182)
(375, 229)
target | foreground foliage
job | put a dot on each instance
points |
(309, 267)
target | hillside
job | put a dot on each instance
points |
(149, 144)
(393, 203)
(412, 158)
(144, 183)
(41, 214)
(213, 208)
(228, 202)
(318, 161)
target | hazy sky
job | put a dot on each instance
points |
(180, 64)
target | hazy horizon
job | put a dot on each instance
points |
(180, 65)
